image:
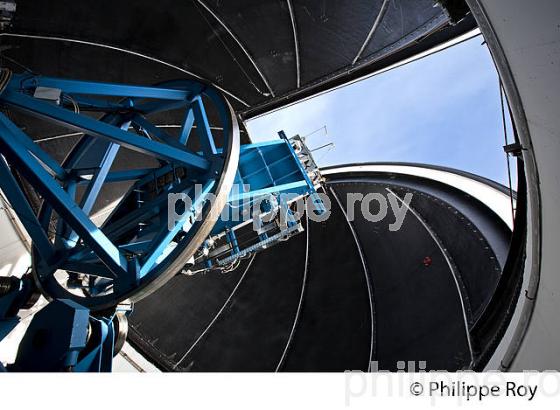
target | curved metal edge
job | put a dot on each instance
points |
(45, 212)
(300, 303)
(122, 50)
(479, 178)
(239, 43)
(121, 331)
(204, 227)
(532, 273)
(433, 34)
(341, 174)
(473, 187)
(367, 276)
(216, 316)
(296, 42)
(452, 270)
(374, 27)
(176, 260)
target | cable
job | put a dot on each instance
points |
(13, 61)
(73, 102)
(301, 296)
(196, 4)
(5, 76)
(122, 50)
(507, 155)
(463, 299)
(367, 276)
(216, 316)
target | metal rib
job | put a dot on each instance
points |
(296, 42)
(376, 23)
(77, 134)
(366, 274)
(300, 303)
(156, 60)
(241, 46)
(451, 268)
(199, 338)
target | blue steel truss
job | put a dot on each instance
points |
(133, 251)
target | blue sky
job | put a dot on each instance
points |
(443, 109)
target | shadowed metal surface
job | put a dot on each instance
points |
(310, 303)
(263, 54)
(417, 311)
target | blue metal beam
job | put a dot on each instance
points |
(98, 179)
(61, 202)
(99, 88)
(157, 132)
(151, 107)
(186, 127)
(25, 213)
(62, 230)
(128, 175)
(165, 236)
(89, 103)
(315, 199)
(33, 148)
(130, 220)
(203, 128)
(106, 131)
(96, 269)
(135, 238)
